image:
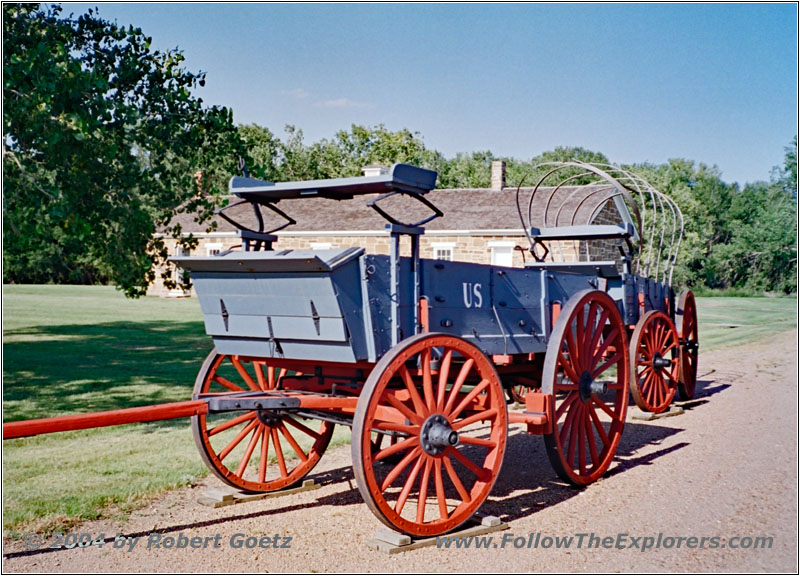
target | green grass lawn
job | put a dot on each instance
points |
(728, 321)
(71, 349)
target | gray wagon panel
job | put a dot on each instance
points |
(267, 294)
(277, 327)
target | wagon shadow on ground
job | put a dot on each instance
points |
(527, 482)
(704, 390)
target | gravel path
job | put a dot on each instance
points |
(727, 467)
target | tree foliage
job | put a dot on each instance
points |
(744, 239)
(105, 142)
(102, 138)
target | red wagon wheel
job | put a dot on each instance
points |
(442, 399)
(585, 374)
(258, 450)
(686, 320)
(654, 362)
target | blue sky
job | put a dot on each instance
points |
(716, 83)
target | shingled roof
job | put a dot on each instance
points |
(464, 209)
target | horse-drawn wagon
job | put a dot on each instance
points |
(421, 357)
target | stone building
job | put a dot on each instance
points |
(479, 225)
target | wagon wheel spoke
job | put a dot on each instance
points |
(605, 345)
(466, 369)
(441, 499)
(451, 473)
(427, 380)
(571, 427)
(444, 373)
(302, 427)
(468, 464)
(590, 436)
(412, 478)
(249, 451)
(566, 403)
(611, 361)
(457, 441)
(407, 412)
(566, 429)
(231, 423)
(263, 383)
(276, 442)
(402, 465)
(292, 442)
(392, 449)
(419, 406)
(599, 427)
(569, 370)
(220, 436)
(244, 374)
(404, 429)
(601, 323)
(423, 491)
(228, 384)
(588, 414)
(477, 417)
(238, 438)
(478, 441)
(591, 329)
(581, 440)
(468, 399)
(262, 464)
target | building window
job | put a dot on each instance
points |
(320, 245)
(212, 249)
(502, 253)
(443, 250)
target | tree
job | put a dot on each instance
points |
(467, 171)
(349, 151)
(103, 141)
(789, 176)
(264, 149)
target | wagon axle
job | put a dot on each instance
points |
(660, 362)
(588, 387)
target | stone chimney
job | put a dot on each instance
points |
(375, 170)
(498, 174)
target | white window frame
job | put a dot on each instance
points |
(213, 248)
(508, 250)
(442, 248)
(321, 245)
(178, 273)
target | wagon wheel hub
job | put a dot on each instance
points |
(587, 387)
(269, 418)
(436, 434)
(660, 362)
